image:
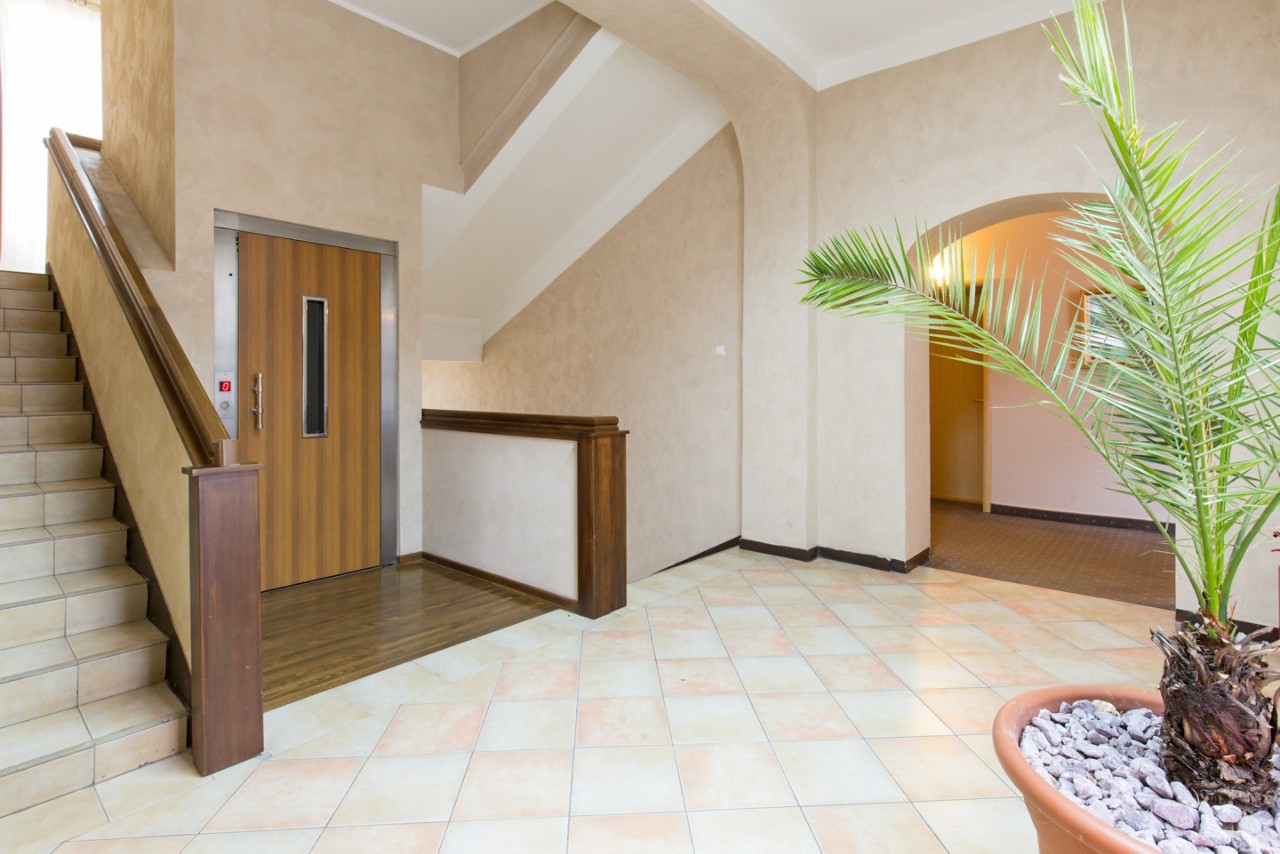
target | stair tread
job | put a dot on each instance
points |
(115, 639)
(20, 536)
(15, 594)
(19, 280)
(34, 658)
(131, 712)
(41, 739)
(84, 529)
(46, 447)
(97, 580)
(85, 485)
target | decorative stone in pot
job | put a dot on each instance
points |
(1062, 826)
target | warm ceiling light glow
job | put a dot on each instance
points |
(939, 271)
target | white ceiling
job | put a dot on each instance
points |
(826, 42)
(454, 26)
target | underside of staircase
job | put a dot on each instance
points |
(82, 691)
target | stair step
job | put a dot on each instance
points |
(59, 753)
(49, 462)
(24, 506)
(41, 397)
(33, 343)
(118, 659)
(25, 298)
(43, 428)
(24, 281)
(41, 369)
(30, 320)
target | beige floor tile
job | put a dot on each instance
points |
(899, 594)
(526, 637)
(183, 814)
(802, 717)
(385, 839)
(622, 722)
(770, 578)
(636, 678)
(287, 794)
(608, 646)
(882, 639)
(1045, 610)
(803, 616)
(963, 638)
(1024, 637)
(688, 643)
(724, 596)
(403, 789)
(640, 597)
(1142, 663)
(686, 676)
(148, 785)
(680, 618)
(667, 582)
(711, 720)
(357, 739)
(147, 845)
(1138, 630)
(836, 772)
(937, 768)
(755, 617)
(929, 670)
(569, 649)
(981, 827)
(1078, 667)
(630, 834)
(934, 575)
(50, 823)
(780, 675)
(987, 612)
(528, 725)
(550, 680)
(756, 831)
(947, 592)
(532, 835)
(757, 643)
(261, 842)
(467, 659)
(932, 614)
(473, 688)
(699, 572)
(1002, 668)
(516, 784)
(854, 673)
(432, 728)
(402, 684)
(887, 714)
(872, 829)
(786, 595)
(982, 746)
(1088, 634)
(964, 710)
(731, 776)
(827, 640)
(621, 780)
(306, 720)
(869, 614)
(844, 594)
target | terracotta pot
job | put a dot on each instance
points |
(1062, 826)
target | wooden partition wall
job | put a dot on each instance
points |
(601, 497)
(221, 518)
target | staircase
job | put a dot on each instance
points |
(82, 693)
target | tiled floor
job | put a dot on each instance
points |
(742, 703)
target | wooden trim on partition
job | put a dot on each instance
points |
(521, 424)
(810, 554)
(1081, 518)
(790, 552)
(559, 601)
(184, 395)
(226, 612)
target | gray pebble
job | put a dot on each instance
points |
(1228, 813)
(1183, 795)
(1178, 814)
(1176, 846)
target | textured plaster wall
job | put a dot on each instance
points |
(137, 60)
(301, 111)
(972, 127)
(631, 330)
(148, 451)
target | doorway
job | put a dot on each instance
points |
(305, 380)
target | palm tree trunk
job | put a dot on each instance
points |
(1219, 722)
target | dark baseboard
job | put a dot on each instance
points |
(1270, 633)
(727, 544)
(792, 552)
(519, 587)
(177, 669)
(1081, 518)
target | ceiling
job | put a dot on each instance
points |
(826, 42)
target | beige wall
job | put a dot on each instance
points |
(137, 119)
(631, 330)
(148, 451)
(974, 126)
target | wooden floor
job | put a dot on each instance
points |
(327, 633)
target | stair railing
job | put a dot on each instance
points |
(222, 526)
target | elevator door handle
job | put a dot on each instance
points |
(258, 393)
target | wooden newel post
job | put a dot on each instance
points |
(602, 523)
(226, 604)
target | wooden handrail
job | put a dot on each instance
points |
(194, 417)
(521, 424)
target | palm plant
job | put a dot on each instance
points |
(1178, 393)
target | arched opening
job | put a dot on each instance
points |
(1015, 493)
